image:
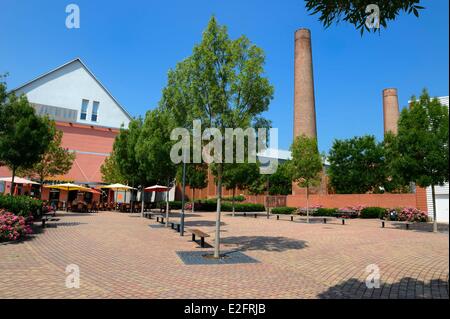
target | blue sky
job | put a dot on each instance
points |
(131, 45)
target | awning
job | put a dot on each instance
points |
(18, 180)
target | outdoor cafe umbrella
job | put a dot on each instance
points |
(17, 180)
(159, 189)
(118, 187)
(67, 187)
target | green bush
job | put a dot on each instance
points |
(326, 212)
(283, 210)
(21, 205)
(211, 206)
(373, 212)
(236, 199)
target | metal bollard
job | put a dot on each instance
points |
(324, 220)
(278, 217)
(292, 218)
(383, 224)
(343, 221)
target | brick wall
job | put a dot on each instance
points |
(339, 201)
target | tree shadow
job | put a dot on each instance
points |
(272, 244)
(202, 223)
(421, 227)
(406, 288)
(63, 224)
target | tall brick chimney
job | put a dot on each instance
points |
(304, 101)
(391, 111)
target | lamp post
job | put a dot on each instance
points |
(182, 196)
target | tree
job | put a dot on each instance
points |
(355, 11)
(280, 183)
(239, 176)
(55, 161)
(419, 153)
(222, 84)
(110, 171)
(153, 148)
(357, 165)
(124, 150)
(306, 165)
(196, 178)
(24, 136)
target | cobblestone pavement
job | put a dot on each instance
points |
(120, 256)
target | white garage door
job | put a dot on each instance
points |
(442, 208)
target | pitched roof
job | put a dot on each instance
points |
(90, 73)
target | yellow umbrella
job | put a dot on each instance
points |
(67, 187)
(118, 187)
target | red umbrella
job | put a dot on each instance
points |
(160, 189)
(157, 189)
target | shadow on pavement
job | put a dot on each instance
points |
(273, 244)
(406, 288)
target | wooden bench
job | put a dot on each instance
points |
(199, 233)
(407, 224)
(160, 219)
(149, 215)
(175, 224)
(290, 216)
(312, 218)
(47, 218)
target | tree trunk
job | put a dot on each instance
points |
(167, 204)
(234, 195)
(193, 200)
(307, 204)
(142, 201)
(219, 207)
(435, 226)
(12, 180)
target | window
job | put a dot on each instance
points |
(84, 109)
(95, 111)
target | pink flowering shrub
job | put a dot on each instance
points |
(13, 227)
(412, 215)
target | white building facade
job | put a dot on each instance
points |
(71, 93)
(442, 192)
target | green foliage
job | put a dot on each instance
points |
(239, 198)
(21, 205)
(306, 163)
(354, 11)
(280, 183)
(153, 147)
(24, 136)
(55, 161)
(196, 175)
(110, 171)
(373, 212)
(357, 165)
(420, 151)
(283, 210)
(124, 164)
(222, 84)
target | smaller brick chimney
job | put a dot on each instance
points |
(391, 111)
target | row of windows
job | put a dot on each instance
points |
(84, 110)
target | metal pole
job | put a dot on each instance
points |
(182, 197)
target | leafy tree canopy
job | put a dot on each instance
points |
(55, 161)
(357, 165)
(354, 11)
